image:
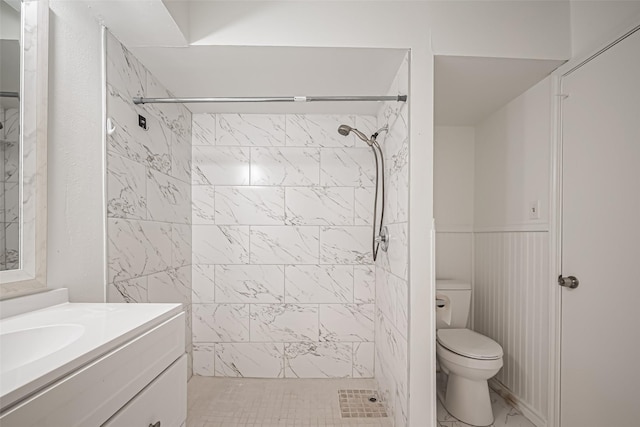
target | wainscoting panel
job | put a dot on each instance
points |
(511, 297)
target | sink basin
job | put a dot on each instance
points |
(24, 346)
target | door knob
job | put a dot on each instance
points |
(570, 282)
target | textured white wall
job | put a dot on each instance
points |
(594, 23)
(75, 255)
(454, 151)
(512, 162)
(453, 175)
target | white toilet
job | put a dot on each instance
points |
(467, 357)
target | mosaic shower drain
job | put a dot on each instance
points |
(360, 404)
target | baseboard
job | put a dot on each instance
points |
(514, 400)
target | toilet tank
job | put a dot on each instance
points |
(453, 303)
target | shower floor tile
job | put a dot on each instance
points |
(505, 415)
(239, 402)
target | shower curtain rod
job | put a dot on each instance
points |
(139, 100)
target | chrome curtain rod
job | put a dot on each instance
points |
(10, 95)
(139, 100)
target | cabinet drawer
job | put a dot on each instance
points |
(164, 400)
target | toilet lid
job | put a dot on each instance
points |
(469, 344)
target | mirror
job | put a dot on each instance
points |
(10, 35)
(23, 167)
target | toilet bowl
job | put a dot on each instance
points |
(469, 359)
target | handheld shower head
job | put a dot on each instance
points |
(344, 130)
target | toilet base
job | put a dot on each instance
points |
(468, 400)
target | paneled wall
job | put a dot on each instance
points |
(148, 189)
(9, 191)
(511, 306)
(283, 282)
(392, 286)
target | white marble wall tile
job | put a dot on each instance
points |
(363, 359)
(173, 285)
(364, 204)
(318, 130)
(347, 167)
(181, 245)
(319, 283)
(11, 125)
(11, 161)
(319, 205)
(285, 166)
(132, 290)
(397, 203)
(247, 130)
(220, 165)
(11, 201)
(346, 322)
(3, 247)
(213, 244)
(204, 129)
(181, 157)
(126, 188)
(220, 322)
(168, 199)
(175, 117)
(364, 284)
(367, 124)
(12, 244)
(395, 259)
(318, 360)
(137, 248)
(345, 245)
(249, 283)
(150, 147)
(284, 322)
(386, 294)
(249, 205)
(250, 360)
(203, 283)
(124, 71)
(203, 204)
(204, 359)
(284, 245)
(402, 307)
(391, 358)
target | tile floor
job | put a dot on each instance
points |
(505, 415)
(238, 402)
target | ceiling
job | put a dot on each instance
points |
(468, 89)
(244, 71)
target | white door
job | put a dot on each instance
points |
(600, 349)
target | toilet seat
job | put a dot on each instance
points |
(468, 343)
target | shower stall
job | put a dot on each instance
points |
(269, 230)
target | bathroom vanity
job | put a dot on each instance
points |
(72, 364)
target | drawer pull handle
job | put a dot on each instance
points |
(155, 425)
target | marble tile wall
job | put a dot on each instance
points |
(148, 189)
(391, 268)
(9, 188)
(283, 279)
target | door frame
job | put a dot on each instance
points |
(555, 215)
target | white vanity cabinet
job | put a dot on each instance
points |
(138, 382)
(162, 403)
